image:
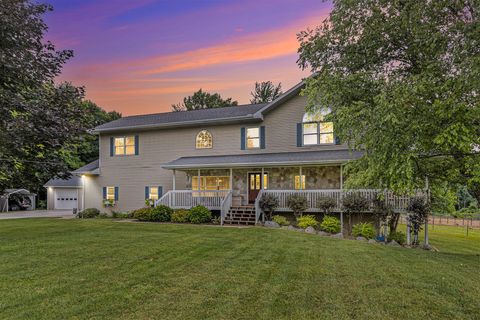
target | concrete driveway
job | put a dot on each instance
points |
(37, 214)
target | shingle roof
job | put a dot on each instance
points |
(91, 168)
(226, 114)
(73, 181)
(248, 160)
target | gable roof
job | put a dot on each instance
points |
(183, 118)
(89, 168)
(74, 182)
(233, 114)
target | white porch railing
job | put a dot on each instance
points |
(398, 203)
(225, 206)
(185, 199)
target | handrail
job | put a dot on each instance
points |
(165, 199)
(225, 206)
(258, 210)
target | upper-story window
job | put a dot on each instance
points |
(253, 138)
(316, 130)
(204, 140)
(124, 146)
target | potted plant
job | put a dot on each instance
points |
(108, 203)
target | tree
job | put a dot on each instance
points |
(84, 148)
(401, 79)
(265, 92)
(203, 100)
(37, 117)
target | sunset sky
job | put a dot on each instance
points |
(141, 56)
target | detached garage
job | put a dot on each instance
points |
(65, 194)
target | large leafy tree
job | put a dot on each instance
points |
(203, 100)
(402, 80)
(37, 117)
(265, 92)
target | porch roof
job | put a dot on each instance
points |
(265, 159)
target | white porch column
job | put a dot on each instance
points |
(231, 179)
(174, 180)
(301, 180)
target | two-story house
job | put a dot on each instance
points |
(223, 158)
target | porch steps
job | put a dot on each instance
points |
(241, 215)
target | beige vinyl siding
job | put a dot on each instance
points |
(132, 173)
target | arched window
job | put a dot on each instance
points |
(316, 130)
(204, 140)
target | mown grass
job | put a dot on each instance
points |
(102, 269)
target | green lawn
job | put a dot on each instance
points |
(103, 269)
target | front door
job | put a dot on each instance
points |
(254, 186)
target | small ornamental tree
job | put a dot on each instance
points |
(418, 211)
(268, 203)
(326, 204)
(382, 212)
(354, 203)
(298, 204)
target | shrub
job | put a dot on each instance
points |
(199, 214)
(398, 236)
(142, 214)
(326, 204)
(121, 215)
(298, 204)
(354, 203)
(418, 211)
(307, 221)
(268, 203)
(180, 216)
(330, 224)
(89, 213)
(366, 230)
(161, 213)
(281, 220)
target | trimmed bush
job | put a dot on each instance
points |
(330, 224)
(366, 230)
(142, 214)
(326, 204)
(298, 204)
(307, 221)
(89, 213)
(161, 213)
(355, 203)
(199, 214)
(281, 220)
(180, 216)
(121, 215)
(268, 203)
(398, 236)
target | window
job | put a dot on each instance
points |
(300, 185)
(124, 146)
(110, 193)
(253, 138)
(153, 193)
(316, 130)
(204, 140)
(211, 183)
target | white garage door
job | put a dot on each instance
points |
(66, 198)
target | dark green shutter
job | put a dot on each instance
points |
(136, 145)
(160, 192)
(242, 138)
(147, 192)
(299, 134)
(262, 137)
(104, 193)
(116, 193)
(112, 146)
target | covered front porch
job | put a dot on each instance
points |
(225, 182)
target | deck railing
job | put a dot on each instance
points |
(225, 206)
(185, 199)
(398, 203)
